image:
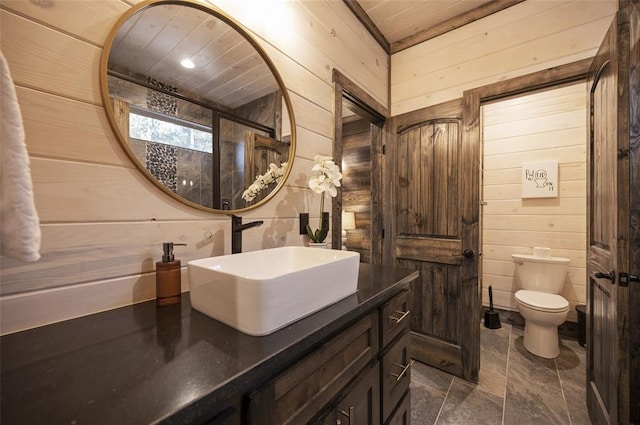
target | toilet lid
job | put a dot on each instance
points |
(542, 301)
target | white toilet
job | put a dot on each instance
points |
(541, 278)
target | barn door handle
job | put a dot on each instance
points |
(468, 254)
(625, 278)
(610, 276)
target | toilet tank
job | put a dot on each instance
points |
(542, 274)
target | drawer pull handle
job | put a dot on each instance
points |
(404, 370)
(348, 415)
(403, 315)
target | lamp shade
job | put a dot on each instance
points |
(348, 220)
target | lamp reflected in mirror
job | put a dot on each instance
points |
(348, 223)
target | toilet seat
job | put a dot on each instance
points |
(541, 301)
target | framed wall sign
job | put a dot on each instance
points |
(540, 179)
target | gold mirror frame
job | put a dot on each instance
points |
(104, 88)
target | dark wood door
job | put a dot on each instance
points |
(436, 232)
(613, 172)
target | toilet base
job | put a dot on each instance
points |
(541, 340)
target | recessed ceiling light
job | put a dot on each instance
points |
(187, 63)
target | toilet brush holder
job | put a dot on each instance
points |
(491, 317)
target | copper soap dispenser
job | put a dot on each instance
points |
(168, 271)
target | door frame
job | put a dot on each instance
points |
(548, 78)
(472, 101)
(472, 122)
(346, 90)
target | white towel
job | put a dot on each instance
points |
(19, 223)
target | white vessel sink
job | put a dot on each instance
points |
(260, 292)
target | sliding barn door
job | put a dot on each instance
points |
(436, 232)
(613, 389)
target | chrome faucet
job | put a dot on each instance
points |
(236, 232)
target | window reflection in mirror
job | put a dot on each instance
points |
(203, 132)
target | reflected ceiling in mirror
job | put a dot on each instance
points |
(197, 104)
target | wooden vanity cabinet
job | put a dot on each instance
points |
(296, 395)
(395, 357)
(229, 417)
(229, 413)
(383, 388)
(402, 416)
(359, 377)
(394, 318)
(396, 369)
(359, 403)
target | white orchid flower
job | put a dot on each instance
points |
(326, 180)
(274, 174)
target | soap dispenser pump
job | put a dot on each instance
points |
(168, 271)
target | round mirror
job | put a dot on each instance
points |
(197, 105)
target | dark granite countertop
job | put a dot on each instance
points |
(144, 364)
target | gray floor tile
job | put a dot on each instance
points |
(466, 403)
(572, 362)
(430, 376)
(538, 391)
(493, 359)
(572, 370)
(426, 403)
(534, 395)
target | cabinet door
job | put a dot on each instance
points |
(360, 403)
(402, 416)
(296, 395)
(396, 374)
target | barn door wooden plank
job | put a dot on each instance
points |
(437, 213)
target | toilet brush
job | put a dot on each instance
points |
(491, 318)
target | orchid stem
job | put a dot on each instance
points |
(321, 211)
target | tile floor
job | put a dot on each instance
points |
(515, 387)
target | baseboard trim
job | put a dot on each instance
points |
(567, 329)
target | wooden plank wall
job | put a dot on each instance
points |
(548, 125)
(102, 222)
(356, 184)
(525, 38)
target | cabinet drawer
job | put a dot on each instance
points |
(402, 416)
(360, 403)
(395, 317)
(300, 392)
(396, 374)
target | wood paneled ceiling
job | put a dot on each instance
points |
(400, 24)
(228, 70)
